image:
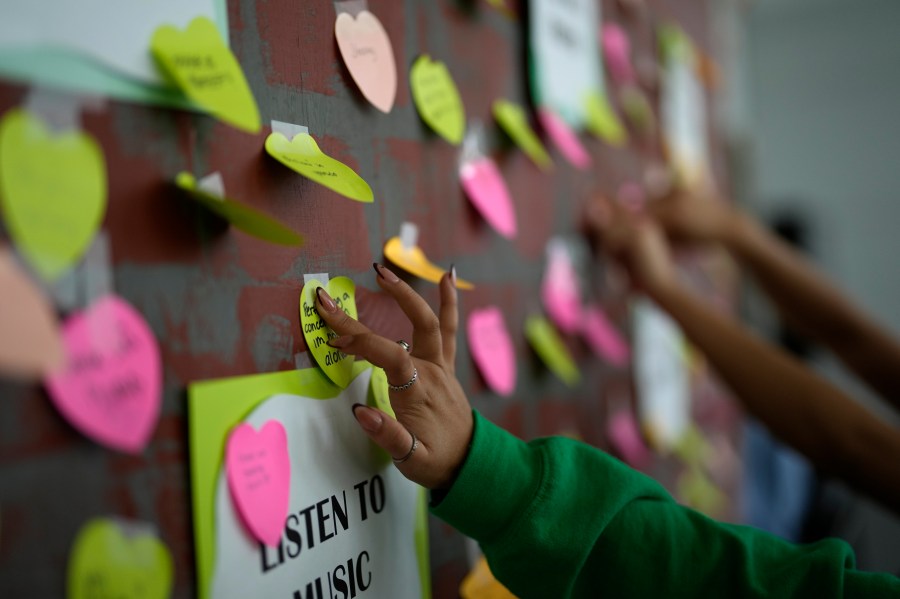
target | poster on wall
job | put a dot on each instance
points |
(565, 56)
(96, 46)
(354, 525)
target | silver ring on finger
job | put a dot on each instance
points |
(412, 449)
(404, 345)
(407, 384)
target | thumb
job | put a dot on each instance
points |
(384, 431)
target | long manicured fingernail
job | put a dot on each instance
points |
(368, 418)
(340, 342)
(326, 300)
(453, 274)
(386, 274)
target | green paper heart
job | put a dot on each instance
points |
(437, 98)
(104, 563)
(379, 392)
(201, 65)
(603, 122)
(302, 154)
(53, 191)
(513, 120)
(551, 349)
(243, 217)
(336, 365)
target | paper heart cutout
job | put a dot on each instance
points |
(336, 365)
(30, 340)
(104, 562)
(625, 437)
(302, 154)
(603, 122)
(492, 349)
(414, 261)
(110, 385)
(243, 217)
(52, 189)
(202, 66)
(560, 289)
(603, 338)
(548, 345)
(437, 98)
(258, 468)
(564, 138)
(514, 122)
(380, 394)
(617, 52)
(486, 189)
(367, 52)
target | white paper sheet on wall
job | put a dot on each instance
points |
(684, 115)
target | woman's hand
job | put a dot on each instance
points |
(696, 216)
(433, 407)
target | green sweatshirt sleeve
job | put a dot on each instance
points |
(558, 518)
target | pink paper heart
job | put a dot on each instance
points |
(492, 349)
(109, 387)
(560, 290)
(564, 138)
(625, 437)
(369, 57)
(486, 189)
(617, 52)
(258, 468)
(603, 338)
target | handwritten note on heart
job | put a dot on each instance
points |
(112, 559)
(302, 154)
(486, 189)
(564, 138)
(202, 66)
(515, 123)
(603, 122)
(258, 468)
(52, 189)
(603, 338)
(437, 98)
(109, 388)
(414, 261)
(336, 365)
(30, 340)
(369, 57)
(492, 349)
(560, 290)
(551, 349)
(247, 219)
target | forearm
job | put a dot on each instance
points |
(815, 307)
(803, 409)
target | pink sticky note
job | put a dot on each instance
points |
(617, 53)
(486, 189)
(564, 138)
(258, 468)
(560, 291)
(109, 387)
(625, 437)
(492, 349)
(369, 57)
(603, 338)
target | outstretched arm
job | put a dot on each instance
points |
(805, 299)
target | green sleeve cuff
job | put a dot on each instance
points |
(497, 481)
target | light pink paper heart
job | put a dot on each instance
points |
(603, 338)
(560, 290)
(109, 387)
(564, 138)
(492, 349)
(258, 469)
(617, 52)
(625, 437)
(369, 57)
(30, 340)
(486, 189)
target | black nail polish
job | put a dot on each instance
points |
(377, 270)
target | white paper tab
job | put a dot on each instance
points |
(321, 277)
(352, 7)
(409, 236)
(213, 184)
(289, 130)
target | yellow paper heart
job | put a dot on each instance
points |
(414, 261)
(53, 191)
(551, 349)
(515, 123)
(302, 154)
(336, 365)
(437, 98)
(200, 64)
